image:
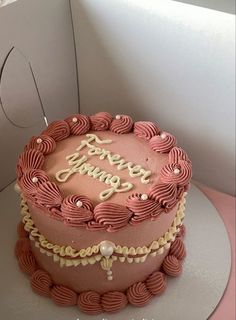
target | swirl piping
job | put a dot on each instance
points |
(58, 130)
(42, 143)
(89, 302)
(122, 125)
(41, 282)
(177, 249)
(48, 195)
(79, 124)
(156, 283)
(172, 266)
(138, 295)
(29, 159)
(145, 129)
(177, 154)
(63, 296)
(162, 143)
(27, 262)
(112, 215)
(101, 121)
(165, 194)
(74, 215)
(182, 177)
(113, 301)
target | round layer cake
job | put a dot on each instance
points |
(103, 203)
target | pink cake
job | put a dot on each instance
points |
(103, 204)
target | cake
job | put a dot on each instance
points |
(102, 204)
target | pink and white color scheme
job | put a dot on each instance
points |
(103, 204)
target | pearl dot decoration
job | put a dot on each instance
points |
(35, 179)
(144, 196)
(176, 171)
(79, 204)
(39, 140)
(17, 188)
(118, 117)
(107, 248)
(74, 120)
(163, 136)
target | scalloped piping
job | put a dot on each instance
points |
(92, 254)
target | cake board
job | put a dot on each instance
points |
(192, 296)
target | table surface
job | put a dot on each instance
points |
(225, 205)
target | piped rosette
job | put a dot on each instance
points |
(121, 124)
(100, 121)
(77, 210)
(177, 173)
(58, 130)
(162, 143)
(31, 181)
(165, 194)
(29, 159)
(112, 215)
(48, 195)
(42, 143)
(142, 207)
(79, 124)
(145, 129)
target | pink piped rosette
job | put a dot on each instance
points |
(163, 196)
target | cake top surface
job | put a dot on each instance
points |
(101, 172)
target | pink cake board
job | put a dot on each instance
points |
(193, 296)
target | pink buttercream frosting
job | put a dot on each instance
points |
(181, 234)
(101, 121)
(145, 129)
(27, 262)
(22, 233)
(176, 154)
(27, 183)
(156, 283)
(163, 143)
(112, 215)
(63, 296)
(181, 178)
(42, 143)
(74, 215)
(41, 282)
(138, 294)
(29, 159)
(48, 195)
(142, 209)
(113, 301)
(58, 130)
(172, 266)
(89, 302)
(164, 193)
(79, 124)
(177, 249)
(122, 125)
(22, 246)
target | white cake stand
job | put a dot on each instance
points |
(192, 296)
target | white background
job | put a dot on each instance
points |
(167, 61)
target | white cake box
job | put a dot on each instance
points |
(167, 61)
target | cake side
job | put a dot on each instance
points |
(103, 202)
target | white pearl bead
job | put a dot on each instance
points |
(17, 188)
(109, 272)
(118, 117)
(74, 120)
(79, 204)
(176, 171)
(107, 248)
(35, 179)
(109, 278)
(163, 136)
(39, 140)
(144, 196)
